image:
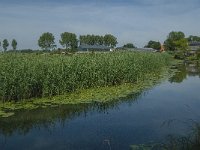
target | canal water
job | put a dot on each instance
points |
(169, 108)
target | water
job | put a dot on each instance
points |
(147, 117)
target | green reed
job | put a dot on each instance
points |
(25, 76)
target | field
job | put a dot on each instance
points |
(25, 76)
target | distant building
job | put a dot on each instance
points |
(141, 49)
(194, 46)
(146, 49)
(85, 47)
(137, 49)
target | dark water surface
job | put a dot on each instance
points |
(150, 116)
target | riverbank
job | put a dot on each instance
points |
(93, 95)
(31, 81)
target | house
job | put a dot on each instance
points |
(194, 46)
(86, 47)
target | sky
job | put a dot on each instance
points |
(131, 21)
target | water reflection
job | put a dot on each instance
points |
(25, 120)
(184, 70)
(136, 119)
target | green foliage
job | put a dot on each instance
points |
(181, 44)
(110, 40)
(107, 40)
(154, 45)
(176, 35)
(198, 54)
(91, 39)
(46, 41)
(129, 45)
(192, 38)
(25, 76)
(176, 41)
(69, 40)
(14, 44)
(5, 44)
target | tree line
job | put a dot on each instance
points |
(5, 44)
(175, 41)
(69, 41)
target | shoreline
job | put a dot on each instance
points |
(92, 95)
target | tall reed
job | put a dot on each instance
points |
(24, 76)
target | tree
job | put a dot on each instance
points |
(110, 40)
(192, 38)
(46, 41)
(174, 40)
(176, 35)
(154, 45)
(181, 44)
(107, 40)
(5, 44)
(69, 40)
(0, 45)
(14, 44)
(129, 45)
(91, 39)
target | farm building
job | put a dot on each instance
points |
(194, 46)
(85, 47)
(141, 49)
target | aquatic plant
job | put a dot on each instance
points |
(25, 76)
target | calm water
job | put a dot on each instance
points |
(150, 116)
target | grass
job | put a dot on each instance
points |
(26, 76)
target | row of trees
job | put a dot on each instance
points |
(175, 41)
(69, 40)
(5, 44)
(151, 44)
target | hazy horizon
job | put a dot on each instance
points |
(135, 21)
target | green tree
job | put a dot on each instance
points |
(81, 39)
(46, 41)
(107, 40)
(181, 44)
(174, 40)
(5, 44)
(192, 38)
(85, 39)
(129, 45)
(91, 39)
(14, 44)
(176, 35)
(101, 40)
(110, 40)
(154, 45)
(69, 40)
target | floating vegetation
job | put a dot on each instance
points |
(84, 96)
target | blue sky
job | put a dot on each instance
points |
(136, 21)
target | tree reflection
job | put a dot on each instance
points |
(25, 120)
(184, 70)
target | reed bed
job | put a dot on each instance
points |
(25, 76)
